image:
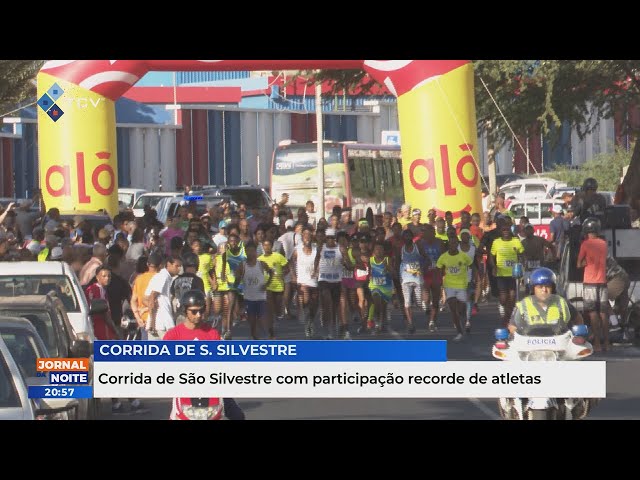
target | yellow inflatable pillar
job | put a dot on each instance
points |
(436, 111)
(77, 147)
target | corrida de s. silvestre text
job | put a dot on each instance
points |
(202, 349)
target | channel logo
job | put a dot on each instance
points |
(47, 102)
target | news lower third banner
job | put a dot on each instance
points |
(327, 369)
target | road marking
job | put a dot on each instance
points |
(484, 409)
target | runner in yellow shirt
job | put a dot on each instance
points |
(275, 288)
(505, 253)
(454, 265)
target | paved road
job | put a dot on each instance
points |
(622, 402)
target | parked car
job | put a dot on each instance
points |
(501, 179)
(95, 220)
(537, 211)
(48, 316)
(253, 196)
(168, 207)
(15, 403)
(530, 188)
(38, 278)
(557, 192)
(26, 346)
(127, 197)
(151, 199)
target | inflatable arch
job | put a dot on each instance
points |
(77, 127)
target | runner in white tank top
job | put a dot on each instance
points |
(255, 276)
(329, 267)
(303, 268)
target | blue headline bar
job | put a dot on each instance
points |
(256, 351)
(57, 391)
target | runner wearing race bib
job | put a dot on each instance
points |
(380, 285)
(505, 253)
(275, 290)
(432, 285)
(454, 266)
(303, 272)
(329, 265)
(469, 249)
(348, 296)
(254, 275)
(411, 259)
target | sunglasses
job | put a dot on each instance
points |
(196, 311)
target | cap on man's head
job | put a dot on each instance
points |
(56, 253)
(465, 230)
(416, 211)
(289, 223)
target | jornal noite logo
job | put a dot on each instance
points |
(47, 102)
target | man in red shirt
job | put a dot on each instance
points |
(194, 305)
(593, 257)
(194, 327)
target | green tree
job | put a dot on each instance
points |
(538, 95)
(16, 81)
(606, 168)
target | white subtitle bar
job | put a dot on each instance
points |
(349, 380)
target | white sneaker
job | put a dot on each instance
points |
(457, 338)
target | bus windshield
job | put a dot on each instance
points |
(358, 176)
(295, 171)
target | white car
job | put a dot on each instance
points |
(38, 278)
(151, 199)
(537, 211)
(127, 197)
(530, 188)
(15, 403)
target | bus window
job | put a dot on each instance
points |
(372, 182)
(357, 178)
(388, 167)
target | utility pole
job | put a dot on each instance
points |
(319, 128)
(491, 161)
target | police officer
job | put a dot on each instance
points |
(542, 309)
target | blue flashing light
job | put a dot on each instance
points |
(502, 334)
(193, 198)
(580, 330)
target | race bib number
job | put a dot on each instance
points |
(509, 263)
(412, 268)
(361, 273)
(453, 270)
(533, 263)
(378, 281)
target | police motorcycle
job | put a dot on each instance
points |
(543, 344)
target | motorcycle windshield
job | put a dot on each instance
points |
(543, 330)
